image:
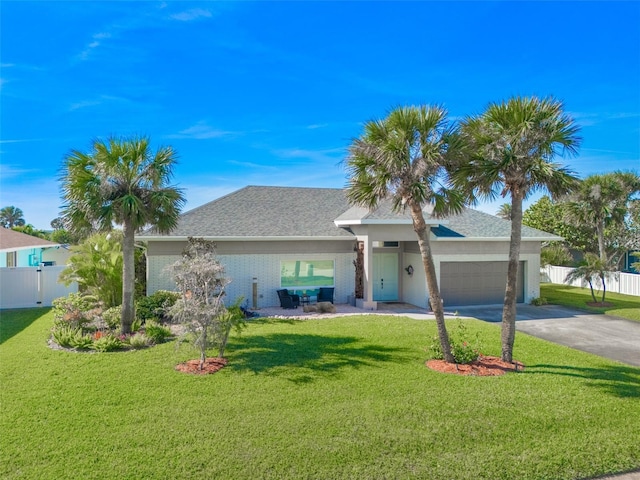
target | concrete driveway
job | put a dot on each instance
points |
(604, 335)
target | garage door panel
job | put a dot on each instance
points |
(476, 283)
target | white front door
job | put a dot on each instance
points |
(385, 277)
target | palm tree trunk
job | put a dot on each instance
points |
(511, 291)
(593, 295)
(601, 245)
(128, 277)
(420, 227)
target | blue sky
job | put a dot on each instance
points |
(272, 93)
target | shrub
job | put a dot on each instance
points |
(538, 301)
(81, 341)
(75, 310)
(139, 340)
(107, 343)
(435, 349)
(156, 305)
(63, 334)
(156, 332)
(112, 317)
(462, 350)
(464, 353)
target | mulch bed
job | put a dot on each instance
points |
(211, 365)
(483, 367)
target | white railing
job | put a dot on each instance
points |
(618, 282)
(24, 287)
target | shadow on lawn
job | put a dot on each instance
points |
(308, 356)
(13, 321)
(620, 381)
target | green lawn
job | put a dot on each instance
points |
(343, 398)
(625, 306)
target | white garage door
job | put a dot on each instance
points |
(476, 283)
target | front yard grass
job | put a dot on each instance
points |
(624, 306)
(343, 398)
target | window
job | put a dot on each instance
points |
(306, 273)
(378, 244)
(12, 259)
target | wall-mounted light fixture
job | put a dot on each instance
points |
(409, 270)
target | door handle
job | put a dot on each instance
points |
(382, 284)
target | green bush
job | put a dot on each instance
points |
(435, 349)
(63, 334)
(107, 343)
(462, 350)
(156, 305)
(81, 341)
(112, 317)
(538, 301)
(156, 332)
(139, 340)
(75, 310)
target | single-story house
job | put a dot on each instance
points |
(302, 238)
(18, 249)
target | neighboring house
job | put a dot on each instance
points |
(628, 260)
(302, 238)
(30, 270)
(18, 249)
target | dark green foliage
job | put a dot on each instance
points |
(552, 217)
(539, 301)
(156, 332)
(463, 349)
(156, 305)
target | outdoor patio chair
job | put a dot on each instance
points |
(325, 294)
(288, 300)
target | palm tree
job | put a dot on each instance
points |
(121, 182)
(511, 146)
(592, 267)
(504, 211)
(403, 158)
(601, 202)
(11, 217)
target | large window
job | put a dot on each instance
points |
(306, 273)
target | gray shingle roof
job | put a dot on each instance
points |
(256, 211)
(289, 212)
(477, 224)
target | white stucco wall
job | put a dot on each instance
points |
(241, 269)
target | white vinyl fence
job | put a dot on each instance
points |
(618, 282)
(24, 287)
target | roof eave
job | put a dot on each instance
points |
(498, 239)
(377, 221)
(166, 238)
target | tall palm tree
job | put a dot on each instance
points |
(602, 201)
(121, 182)
(403, 158)
(511, 146)
(11, 217)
